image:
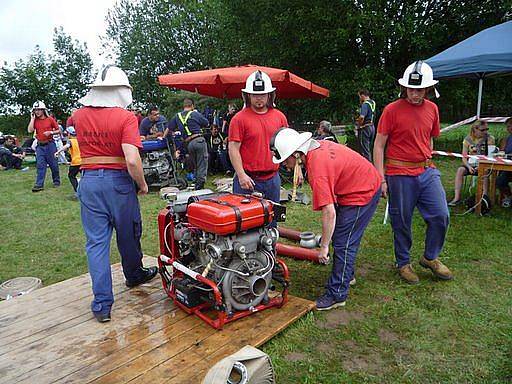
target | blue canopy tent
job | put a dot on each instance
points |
(488, 53)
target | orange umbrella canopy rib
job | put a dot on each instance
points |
(228, 82)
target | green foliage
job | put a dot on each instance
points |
(58, 79)
(343, 47)
(155, 37)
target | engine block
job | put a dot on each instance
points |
(218, 257)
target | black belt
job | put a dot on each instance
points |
(43, 143)
(193, 137)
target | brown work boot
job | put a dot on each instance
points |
(408, 274)
(438, 269)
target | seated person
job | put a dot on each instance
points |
(10, 155)
(504, 178)
(475, 143)
(324, 132)
(153, 126)
(216, 150)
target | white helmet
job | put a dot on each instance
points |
(38, 105)
(287, 141)
(418, 75)
(71, 130)
(258, 83)
(111, 76)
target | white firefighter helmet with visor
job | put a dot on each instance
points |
(258, 83)
(111, 76)
(418, 75)
(287, 141)
(38, 105)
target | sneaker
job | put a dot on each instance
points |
(24, 169)
(454, 203)
(146, 275)
(507, 202)
(438, 269)
(102, 317)
(326, 302)
(37, 188)
(56, 185)
(408, 275)
(352, 282)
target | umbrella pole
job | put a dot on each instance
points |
(479, 103)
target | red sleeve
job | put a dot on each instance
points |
(386, 122)
(235, 130)
(323, 192)
(436, 126)
(285, 122)
(130, 133)
(54, 124)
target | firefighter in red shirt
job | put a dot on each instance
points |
(45, 127)
(346, 188)
(250, 132)
(406, 130)
(109, 141)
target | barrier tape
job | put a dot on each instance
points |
(474, 118)
(478, 157)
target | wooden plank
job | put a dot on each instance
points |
(50, 297)
(149, 339)
(77, 344)
(254, 330)
(61, 315)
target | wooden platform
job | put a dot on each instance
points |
(50, 336)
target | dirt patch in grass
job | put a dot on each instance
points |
(339, 317)
(362, 270)
(327, 348)
(295, 356)
(371, 363)
(350, 345)
(387, 337)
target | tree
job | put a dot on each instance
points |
(154, 37)
(59, 79)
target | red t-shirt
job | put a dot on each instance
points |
(101, 131)
(43, 125)
(253, 131)
(339, 175)
(409, 128)
(70, 122)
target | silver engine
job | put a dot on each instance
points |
(157, 168)
(241, 264)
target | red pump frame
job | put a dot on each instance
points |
(218, 317)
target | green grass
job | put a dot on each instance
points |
(435, 332)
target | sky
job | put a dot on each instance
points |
(27, 23)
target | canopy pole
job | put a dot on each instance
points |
(479, 102)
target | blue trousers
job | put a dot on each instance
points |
(107, 201)
(271, 189)
(427, 193)
(45, 155)
(351, 222)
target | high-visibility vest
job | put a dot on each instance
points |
(184, 121)
(372, 106)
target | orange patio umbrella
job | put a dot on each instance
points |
(228, 82)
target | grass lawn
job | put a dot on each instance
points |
(389, 332)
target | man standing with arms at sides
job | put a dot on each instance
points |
(190, 123)
(365, 123)
(45, 127)
(250, 132)
(406, 131)
(109, 142)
